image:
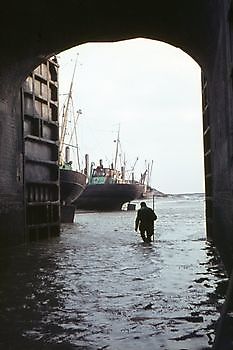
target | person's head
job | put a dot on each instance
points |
(143, 204)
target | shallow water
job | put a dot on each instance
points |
(97, 286)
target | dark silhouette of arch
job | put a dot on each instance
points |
(34, 31)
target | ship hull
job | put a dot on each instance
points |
(72, 184)
(108, 197)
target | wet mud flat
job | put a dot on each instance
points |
(97, 286)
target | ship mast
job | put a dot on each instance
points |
(74, 131)
(117, 148)
(150, 173)
(65, 112)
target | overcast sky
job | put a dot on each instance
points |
(153, 91)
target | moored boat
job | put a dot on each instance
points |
(108, 197)
(72, 185)
(72, 182)
(108, 190)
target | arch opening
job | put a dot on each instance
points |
(150, 88)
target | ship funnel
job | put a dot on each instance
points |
(86, 170)
(67, 154)
(123, 173)
(132, 177)
(101, 163)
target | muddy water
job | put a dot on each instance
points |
(97, 286)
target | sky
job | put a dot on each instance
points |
(149, 90)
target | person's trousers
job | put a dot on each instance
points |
(146, 235)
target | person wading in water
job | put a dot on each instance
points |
(145, 221)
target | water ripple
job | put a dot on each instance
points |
(97, 286)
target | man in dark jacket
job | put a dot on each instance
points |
(145, 221)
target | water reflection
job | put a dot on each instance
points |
(97, 286)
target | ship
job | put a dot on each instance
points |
(108, 189)
(72, 181)
(72, 184)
